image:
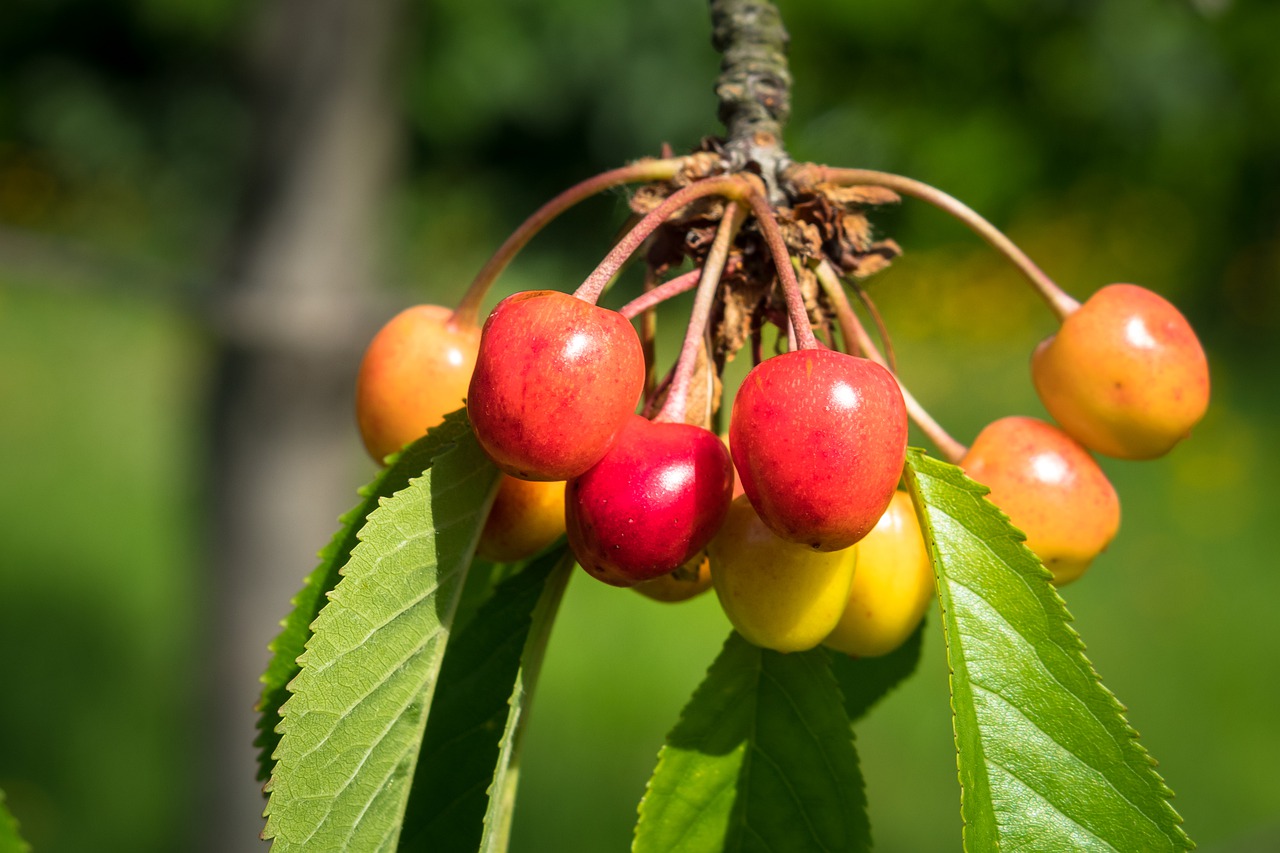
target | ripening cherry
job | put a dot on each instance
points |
(1125, 375)
(651, 504)
(415, 371)
(526, 517)
(819, 439)
(777, 594)
(690, 580)
(1051, 489)
(892, 587)
(555, 380)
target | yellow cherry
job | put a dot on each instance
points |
(779, 595)
(892, 587)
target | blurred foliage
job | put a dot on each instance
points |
(1115, 141)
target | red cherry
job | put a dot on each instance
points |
(819, 439)
(654, 501)
(555, 380)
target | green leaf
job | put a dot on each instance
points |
(10, 840)
(762, 759)
(351, 728)
(291, 641)
(502, 793)
(865, 681)
(496, 652)
(1046, 758)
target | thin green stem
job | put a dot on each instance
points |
(468, 309)
(1059, 301)
(677, 404)
(728, 186)
(853, 330)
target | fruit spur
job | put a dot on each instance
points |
(793, 515)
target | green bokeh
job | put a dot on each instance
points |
(1115, 142)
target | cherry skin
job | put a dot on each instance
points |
(414, 372)
(1051, 489)
(651, 504)
(777, 594)
(819, 439)
(526, 517)
(1125, 375)
(555, 380)
(690, 580)
(892, 587)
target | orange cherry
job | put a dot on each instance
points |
(1051, 488)
(415, 371)
(1125, 375)
(526, 517)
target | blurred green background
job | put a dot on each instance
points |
(150, 150)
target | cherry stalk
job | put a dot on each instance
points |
(1059, 301)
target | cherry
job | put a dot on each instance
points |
(892, 587)
(1125, 375)
(414, 372)
(1051, 488)
(555, 380)
(690, 580)
(778, 595)
(651, 504)
(819, 439)
(526, 517)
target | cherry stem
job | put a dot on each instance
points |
(1059, 301)
(468, 309)
(661, 293)
(786, 275)
(590, 290)
(853, 330)
(677, 404)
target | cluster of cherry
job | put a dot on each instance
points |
(795, 519)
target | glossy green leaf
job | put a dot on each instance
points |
(10, 839)
(762, 759)
(486, 669)
(865, 681)
(296, 627)
(1046, 758)
(353, 723)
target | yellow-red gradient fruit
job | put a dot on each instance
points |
(691, 579)
(556, 379)
(526, 517)
(1125, 375)
(1051, 489)
(892, 587)
(415, 371)
(778, 595)
(818, 439)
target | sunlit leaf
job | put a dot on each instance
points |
(761, 759)
(352, 725)
(1046, 758)
(486, 669)
(291, 641)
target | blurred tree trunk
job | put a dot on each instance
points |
(293, 311)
